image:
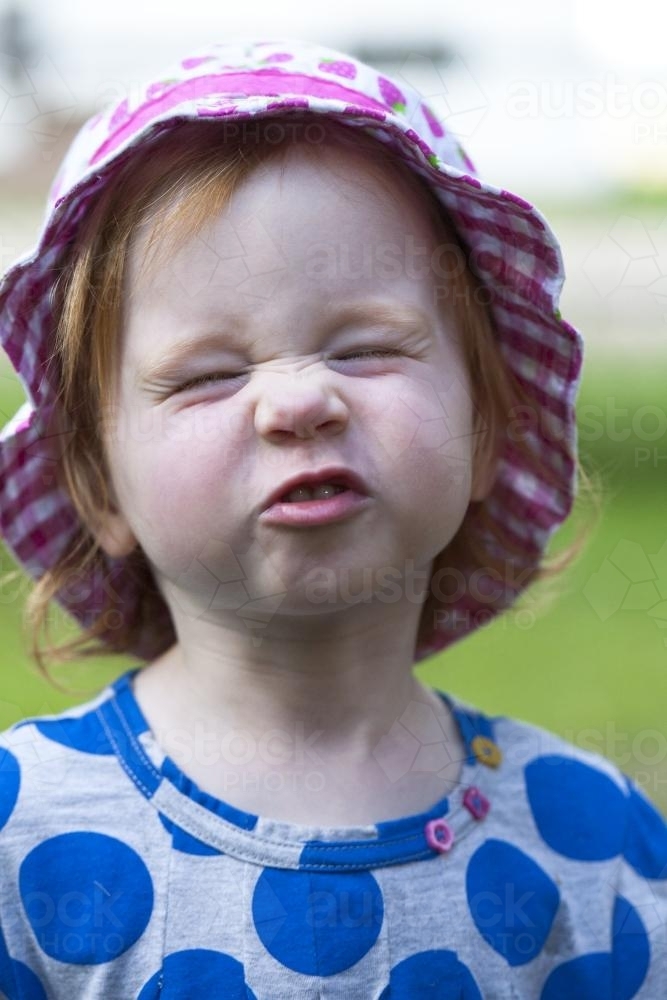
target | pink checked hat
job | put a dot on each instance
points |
(515, 252)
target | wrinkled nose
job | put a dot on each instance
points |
(304, 407)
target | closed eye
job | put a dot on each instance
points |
(229, 376)
(370, 354)
(210, 377)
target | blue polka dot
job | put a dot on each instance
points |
(631, 950)
(437, 975)
(604, 976)
(6, 972)
(22, 983)
(184, 841)
(10, 782)
(646, 840)
(587, 977)
(317, 923)
(16, 979)
(512, 901)
(197, 973)
(87, 896)
(579, 811)
(85, 733)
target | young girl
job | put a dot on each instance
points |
(300, 413)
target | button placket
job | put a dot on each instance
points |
(476, 802)
(439, 835)
(486, 751)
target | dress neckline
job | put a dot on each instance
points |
(202, 823)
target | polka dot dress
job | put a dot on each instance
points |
(543, 876)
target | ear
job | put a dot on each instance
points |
(115, 535)
(112, 530)
(485, 468)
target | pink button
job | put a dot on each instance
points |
(476, 802)
(439, 834)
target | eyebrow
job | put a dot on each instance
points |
(406, 318)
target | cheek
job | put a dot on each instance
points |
(424, 421)
(171, 465)
(426, 433)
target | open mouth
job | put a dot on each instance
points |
(324, 491)
(309, 505)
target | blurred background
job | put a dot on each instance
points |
(566, 106)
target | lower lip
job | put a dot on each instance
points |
(309, 512)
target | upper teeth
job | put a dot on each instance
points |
(320, 492)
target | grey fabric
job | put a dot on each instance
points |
(122, 879)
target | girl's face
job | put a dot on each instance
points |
(260, 303)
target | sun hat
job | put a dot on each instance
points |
(516, 254)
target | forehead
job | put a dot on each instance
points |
(297, 236)
(290, 209)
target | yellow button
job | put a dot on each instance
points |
(486, 751)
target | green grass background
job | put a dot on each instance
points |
(600, 683)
